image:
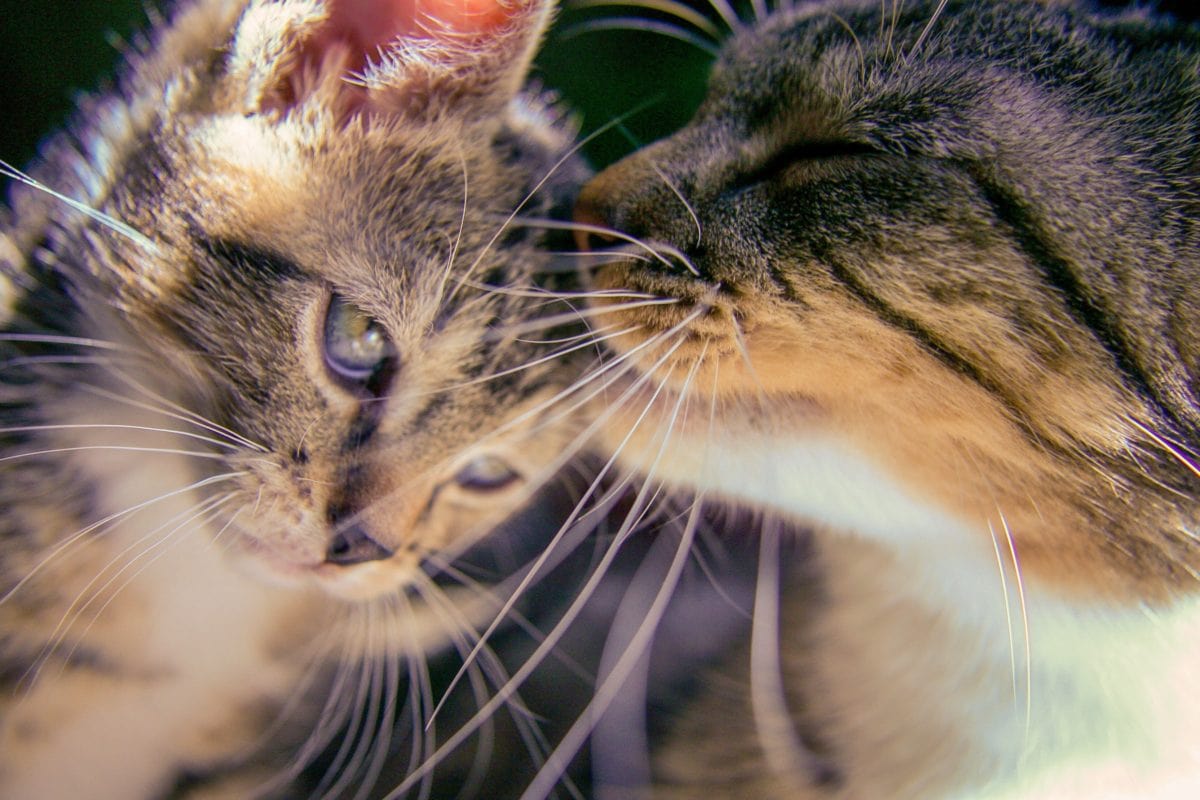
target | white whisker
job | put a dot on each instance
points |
(933, 18)
(575, 316)
(163, 545)
(785, 752)
(686, 205)
(570, 154)
(111, 447)
(135, 236)
(612, 684)
(1008, 618)
(576, 606)
(47, 338)
(645, 25)
(107, 426)
(1173, 448)
(680, 11)
(575, 337)
(651, 250)
(1012, 551)
(557, 354)
(727, 14)
(462, 222)
(78, 535)
(170, 410)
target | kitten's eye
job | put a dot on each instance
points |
(486, 474)
(356, 345)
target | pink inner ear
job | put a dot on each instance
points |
(373, 24)
(357, 32)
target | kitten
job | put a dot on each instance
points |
(259, 375)
(927, 282)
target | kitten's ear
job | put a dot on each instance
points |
(384, 57)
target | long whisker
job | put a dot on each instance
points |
(444, 566)
(680, 11)
(78, 535)
(625, 363)
(862, 58)
(547, 294)
(76, 341)
(727, 14)
(784, 750)
(600, 257)
(337, 773)
(571, 153)
(323, 646)
(421, 700)
(34, 361)
(577, 315)
(678, 255)
(334, 713)
(1012, 551)
(683, 200)
(135, 236)
(1177, 452)
(557, 354)
(111, 447)
(574, 337)
(613, 683)
(170, 410)
(759, 10)
(574, 609)
(578, 443)
(933, 18)
(541, 564)
(1008, 618)
(163, 545)
(645, 25)
(107, 426)
(549, 775)
(304, 754)
(462, 223)
(652, 250)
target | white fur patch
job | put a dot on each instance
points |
(1104, 699)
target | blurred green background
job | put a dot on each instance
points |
(53, 49)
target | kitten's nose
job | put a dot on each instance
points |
(353, 545)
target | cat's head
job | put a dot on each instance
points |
(323, 267)
(954, 241)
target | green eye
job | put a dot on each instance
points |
(486, 474)
(356, 346)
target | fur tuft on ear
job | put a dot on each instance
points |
(389, 57)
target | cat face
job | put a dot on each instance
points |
(948, 243)
(322, 271)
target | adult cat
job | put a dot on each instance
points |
(255, 376)
(931, 286)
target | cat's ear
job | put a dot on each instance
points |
(384, 57)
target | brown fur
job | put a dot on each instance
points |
(922, 275)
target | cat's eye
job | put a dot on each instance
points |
(803, 153)
(486, 474)
(356, 346)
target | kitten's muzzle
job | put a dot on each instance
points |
(353, 545)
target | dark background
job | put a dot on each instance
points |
(53, 49)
